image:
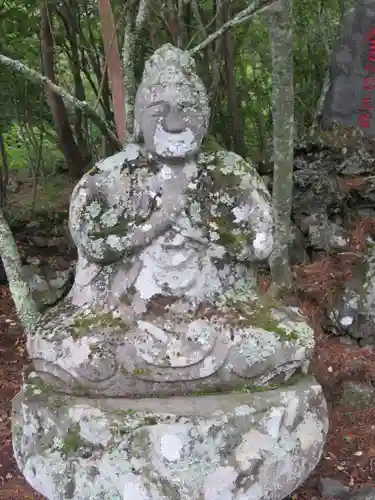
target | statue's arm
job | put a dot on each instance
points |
(97, 227)
(109, 222)
(251, 219)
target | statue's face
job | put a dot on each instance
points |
(170, 120)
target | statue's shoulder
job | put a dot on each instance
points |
(214, 157)
(109, 173)
(231, 172)
(129, 157)
(225, 163)
(113, 169)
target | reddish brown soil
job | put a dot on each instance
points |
(13, 359)
(349, 454)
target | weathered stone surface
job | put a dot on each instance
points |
(220, 349)
(164, 271)
(334, 489)
(318, 199)
(165, 306)
(172, 91)
(354, 314)
(237, 446)
(297, 246)
(334, 188)
(48, 285)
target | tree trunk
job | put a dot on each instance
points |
(109, 37)
(70, 16)
(25, 305)
(172, 21)
(4, 174)
(132, 34)
(280, 35)
(234, 109)
(59, 114)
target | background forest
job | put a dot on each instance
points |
(64, 40)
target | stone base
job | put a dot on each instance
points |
(238, 446)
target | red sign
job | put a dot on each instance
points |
(364, 119)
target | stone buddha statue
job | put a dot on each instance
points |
(165, 313)
(168, 239)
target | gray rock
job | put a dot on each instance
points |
(48, 285)
(103, 354)
(238, 445)
(324, 234)
(354, 315)
(325, 203)
(297, 246)
(333, 488)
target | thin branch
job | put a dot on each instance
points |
(257, 7)
(70, 100)
(212, 21)
(210, 51)
(128, 50)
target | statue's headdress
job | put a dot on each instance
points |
(171, 65)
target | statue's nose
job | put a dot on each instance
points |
(173, 122)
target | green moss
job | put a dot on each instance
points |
(118, 429)
(216, 212)
(258, 315)
(93, 171)
(293, 380)
(255, 388)
(210, 145)
(234, 243)
(117, 230)
(249, 388)
(83, 323)
(262, 318)
(17, 433)
(126, 424)
(141, 371)
(129, 412)
(150, 421)
(37, 387)
(73, 441)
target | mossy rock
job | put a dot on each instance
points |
(84, 323)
